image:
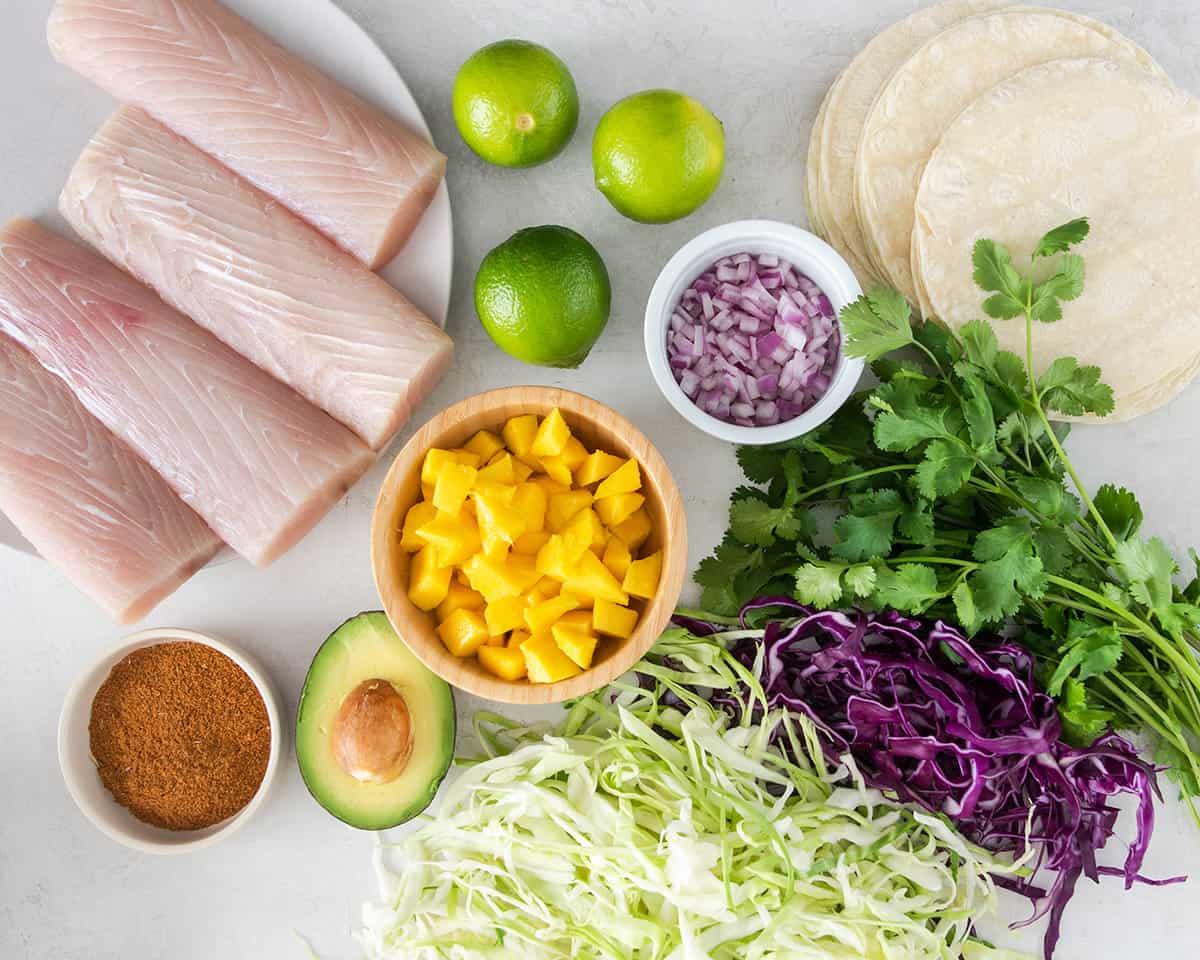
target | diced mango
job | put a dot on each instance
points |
(497, 579)
(484, 445)
(500, 470)
(584, 532)
(641, 579)
(530, 542)
(544, 662)
(544, 589)
(463, 632)
(503, 615)
(634, 530)
(542, 616)
(460, 576)
(552, 560)
(616, 509)
(517, 637)
(593, 579)
(597, 465)
(453, 484)
(625, 479)
(573, 454)
(556, 470)
(581, 601)
(580, 620)
(530, 501)
(617, 557)
(418, 515)
(459, 597)
(427, 492)
(576, 644)
(436, 460)
(505, 662)
(522, 471)
(562, 507)
(428, 582)
(552, 435)
(518, 434)
(552, 487)
(613, 619)
(499, 523)
(453, 538)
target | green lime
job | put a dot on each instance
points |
(515, 103)
(543, 296)
(658, 155)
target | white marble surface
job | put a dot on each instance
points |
(68, 892)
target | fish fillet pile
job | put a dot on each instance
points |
(237, 365)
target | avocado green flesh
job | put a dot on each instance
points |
(367, 648)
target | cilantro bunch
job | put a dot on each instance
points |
(946, 490)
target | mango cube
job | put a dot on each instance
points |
(552, 560)
(518, 434)
(556, 470)
(542, 616)
(531, 501)
(625, 479)
(463, 632)
(614, 620)
(576, 644)
(552, 435)
(499, 470)
(544, 662)
(503, 615)
(530, 542)
(454, 482)
(634, 530)
(484, 445)
(436, 460)
(517, 637)
(617, 557)
(522, 471)
(584, 532)
(562, 507)
(641, 579)
(618, 508)
(497, 579)
(418, 515)
(544, 589)
(581, 601)
(595, 467)
(580, 620)
(505, 662)
(573, 454)
(453, 538)
(428, 581)
(592, 578)
(459, 597)
(552, 487)
(499, 523)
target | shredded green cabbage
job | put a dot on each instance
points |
(645, 831)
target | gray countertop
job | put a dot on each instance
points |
(68, 892)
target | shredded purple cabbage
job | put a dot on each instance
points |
(959, 728)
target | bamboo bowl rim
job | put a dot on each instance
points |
(453, 427)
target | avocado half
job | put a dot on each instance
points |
(375, 728)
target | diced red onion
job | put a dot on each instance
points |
(753, 341)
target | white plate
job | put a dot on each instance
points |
(325, 36)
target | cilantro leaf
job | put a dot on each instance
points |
(754, 521)
(994, 272)
(1049, 498)
(819, 584)
(1093, 650)
(866, 531)
(904, 421)
(1148, 568)
(1062, 238)
(980, 345)
(977, 411)
(1179, 767)
(876, 323)
(860, 579)
(1082, 723)
(916, 522)
(1065, 284)
(946, 467)
(1120, 510)
(1009, 569)
(728, 560)
(911, 587)
(1074, 390)
(760, 464)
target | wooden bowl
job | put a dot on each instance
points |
(597, 427)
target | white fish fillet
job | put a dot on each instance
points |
(88, 504)
(256, 276)
(356, 174)
(257, 461)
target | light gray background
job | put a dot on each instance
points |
(68, 892)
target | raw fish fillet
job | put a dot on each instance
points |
(90, 505)
(353, 172)
(257, 461)
(259, 278)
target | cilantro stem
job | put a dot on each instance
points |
(864, 475)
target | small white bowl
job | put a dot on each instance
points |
(79, 768)
(809, 254)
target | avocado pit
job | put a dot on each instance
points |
(372, 732)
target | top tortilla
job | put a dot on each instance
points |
(1083, 137)
(834, 143)
(931, 88)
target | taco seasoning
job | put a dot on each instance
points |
(180, 735)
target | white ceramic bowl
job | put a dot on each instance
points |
(79, 769)
(808, 253)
